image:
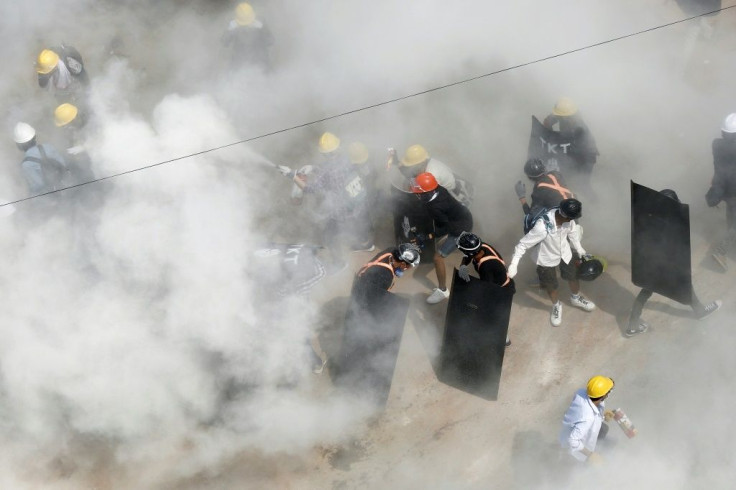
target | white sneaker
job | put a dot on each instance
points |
(555, 317)
(437, 296)
(582, 303)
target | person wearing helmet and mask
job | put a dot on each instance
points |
(248, 39)
(43, 167)
(487, 262)
(583, 423)
(583, 152)
(379, 273)
(554, 234)
(549, 187)
(416, 160)
(723, 186)
(636, 325)
(450, 219)
(61, 70)
(343, 202)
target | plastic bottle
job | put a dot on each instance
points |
(623, 421)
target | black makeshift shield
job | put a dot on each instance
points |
(660, 244)
(370, 345)
(554, 149)
(473, 346)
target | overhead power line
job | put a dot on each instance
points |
(378, 104)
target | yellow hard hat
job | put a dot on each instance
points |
(244, 14)
(64, 114)
(599, 386)
(47, 61)
(565, 107)
(414, 155)
(358, 153)
(328, 143)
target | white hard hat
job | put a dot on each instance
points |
(23, 133)
(729, 124)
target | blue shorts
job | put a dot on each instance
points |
(448, 246)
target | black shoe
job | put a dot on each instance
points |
(641, 328)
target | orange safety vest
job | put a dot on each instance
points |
(564, 192)
(491, 255)
(379, 262)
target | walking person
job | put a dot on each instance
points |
(554, 232)
(450, 220)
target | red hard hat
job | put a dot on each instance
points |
(425, 182)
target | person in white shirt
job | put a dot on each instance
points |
(582, 425)
(554, 232)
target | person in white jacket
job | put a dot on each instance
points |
(554, 232)
(582, 425)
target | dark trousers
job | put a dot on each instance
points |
(644, 296)
(726, 243)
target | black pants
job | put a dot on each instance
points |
(728, 240)
(644, 296)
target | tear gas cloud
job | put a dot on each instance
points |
(137, 333)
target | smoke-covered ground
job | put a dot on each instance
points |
(140, 349)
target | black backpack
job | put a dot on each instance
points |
(531, 218)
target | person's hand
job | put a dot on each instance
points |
(464, 273)
(520, 189)
(607, 415)
(391, 152)
(586, 257)
(512, 270)
(286, 171)
(595, 459)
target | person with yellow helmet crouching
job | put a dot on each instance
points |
(582, 425)
(61, 70)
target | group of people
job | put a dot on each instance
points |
(45, 168)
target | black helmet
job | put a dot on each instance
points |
(590, 269)
(468, 243)
(571, 208)
(407, 252)
(534, 168)
(670, 193)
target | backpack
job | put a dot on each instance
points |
(531, 218)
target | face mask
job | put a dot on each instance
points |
(399, 272)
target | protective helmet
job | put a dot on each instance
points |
(565, 107)
(64, 114)
(328, 143)
(358, 153)
(47, 61)
(468, 243)
(23, 133)
(590, 269)
(407, 252)
(599, 386)
(425, 182)
(534, 168)
(414, 155)
(729, 124)
(571, 208)
(244, 14)
(670, 193)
